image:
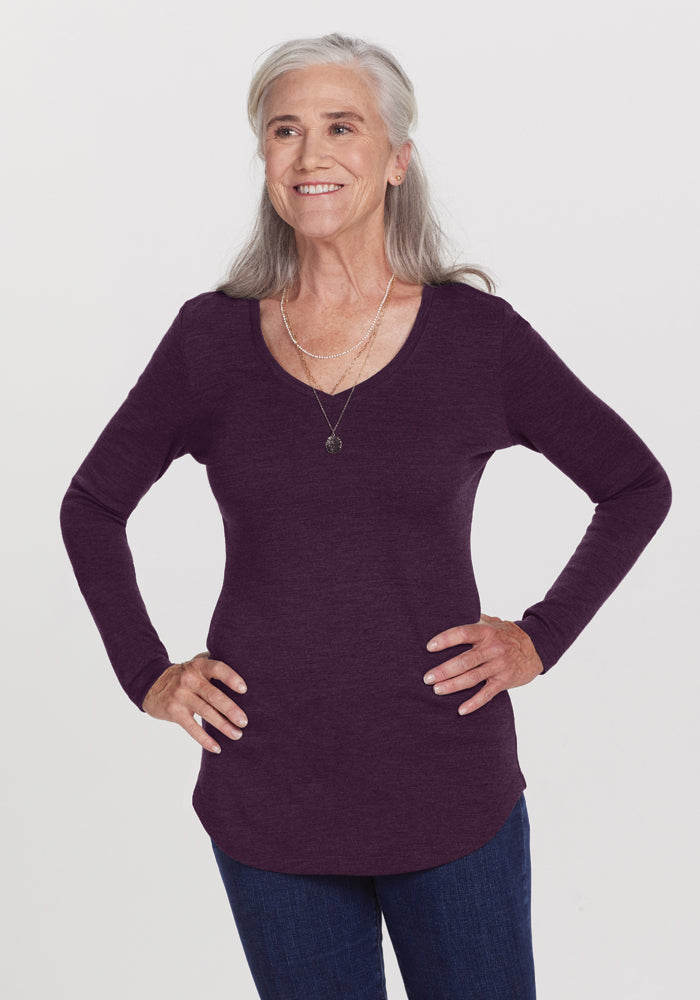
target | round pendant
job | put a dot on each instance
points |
(333, 444)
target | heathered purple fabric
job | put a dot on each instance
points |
(339, 568)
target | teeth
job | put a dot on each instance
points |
(317, 188)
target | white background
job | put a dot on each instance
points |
(562, 148)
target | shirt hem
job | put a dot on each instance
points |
(394, 864)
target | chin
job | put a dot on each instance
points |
(316, 230)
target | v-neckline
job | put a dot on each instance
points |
(379, 376)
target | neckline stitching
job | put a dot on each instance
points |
(394, 364)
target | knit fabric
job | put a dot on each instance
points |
(339, 569)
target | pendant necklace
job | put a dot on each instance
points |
(333, 443)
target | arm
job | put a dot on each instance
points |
(154, 425)
(549, 410)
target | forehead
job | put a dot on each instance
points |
(322, 88)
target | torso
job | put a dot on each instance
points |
(326, 332)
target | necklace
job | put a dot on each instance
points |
(326, 357)
(366, 347)
(333, 442)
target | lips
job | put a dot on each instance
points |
(307, 189)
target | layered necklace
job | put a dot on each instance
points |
(333, 442)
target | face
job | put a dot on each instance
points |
(327, 153)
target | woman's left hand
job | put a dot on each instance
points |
(502, 654)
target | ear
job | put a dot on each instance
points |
(400, 164)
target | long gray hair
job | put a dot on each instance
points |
(415, 243)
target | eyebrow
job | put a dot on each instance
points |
(331, 115)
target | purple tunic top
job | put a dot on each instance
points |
(339, 568)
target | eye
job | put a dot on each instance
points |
(345, 129)
(283, 131)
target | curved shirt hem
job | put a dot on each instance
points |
(446, 849)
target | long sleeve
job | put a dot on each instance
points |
(338, 568)
(549, 410)
(154, 425)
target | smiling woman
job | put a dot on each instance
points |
(327, 170)
(328, 161)
(416, 248)
(378, 773)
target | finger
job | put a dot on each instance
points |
(201, 684)
(201, 707)
(221, 702)
(481, 698)
(192, 727)
(466, 680)
(475, 632)
(228, 675)
(220, 670)
(197, 678)
(220, 708)
(470, 660)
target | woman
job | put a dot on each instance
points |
(345, 389)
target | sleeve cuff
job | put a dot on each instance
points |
(541, 640)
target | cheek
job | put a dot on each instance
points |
(280, 199)
(271, 172)
(372, 168)
(275, 165)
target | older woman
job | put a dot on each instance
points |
(345, 389)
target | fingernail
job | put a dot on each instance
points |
(216, 749)
(429, 678)
(242, 688)
(433, 644)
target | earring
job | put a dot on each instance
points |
(398, 177)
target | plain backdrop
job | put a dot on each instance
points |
(561, 142)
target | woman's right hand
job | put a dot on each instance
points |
(184, 689)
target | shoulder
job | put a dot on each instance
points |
(212, 319)
(460, 302)
(491, 320)
(216, 335)
(212, 306)
(472, 319)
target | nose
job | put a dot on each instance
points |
(312, 152)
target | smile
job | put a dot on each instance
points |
(317, 188)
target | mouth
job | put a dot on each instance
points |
(310, 189)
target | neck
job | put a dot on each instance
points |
(341, 271)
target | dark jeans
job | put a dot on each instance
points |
(460, 930)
